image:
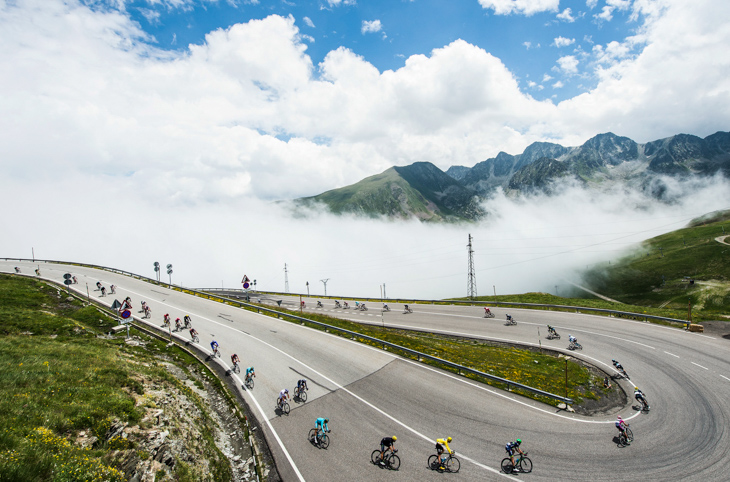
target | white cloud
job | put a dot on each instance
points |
(308, 38)
(523, 7)
(531, 84)
(546, 78)
(527, 45)
(558, 85)
(563, 42)
(308, 22)
(605, 15)
(566, 16)
(152, 16)
(591, 3)
(371, 26)
(337, 3)
(568, 64)
(611, 53)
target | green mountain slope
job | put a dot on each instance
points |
(420, 190)
(687, 265)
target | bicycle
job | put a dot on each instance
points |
(216, 353)
(510, 322)
(236, 368)
(320, 305)
(452, 464)
(574, 345)
(195, 338)
(187, 322)
(488, 314)
(386, 308)
(112, 288)
(337, 304)
(362, 308)
(625, 437)
(522, 464)
(320, 439)
(301, 394)
(283, 407)
(644, 404)
(166, 323)
(407, 310)
(249, 382)
(390, 459)
(178, 325)
(553, 336)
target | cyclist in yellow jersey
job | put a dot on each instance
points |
(440, 444)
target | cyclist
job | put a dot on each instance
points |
(319, 304)
(357, 305)
(98, 285)
(321, 424)
(639, 396)
(112, 288)
(337, 304)
(442, 443)
(385, 307)
(103, 291)
(551, 330)
(235, 360)
(147, 309)
(214, 347)
(388, 443)
(188, 320)
(487, 311)
(193, 332)
(178, 325)
(346, 305)
(302, 304)
(511, 447)
(509, 318)
(283, 395)
(406, 309)
(302, 385)
(606, 383)
(250, 373)
(573, 340)
(76, 281)
(621, 426)
(37, 271)
(17, 270)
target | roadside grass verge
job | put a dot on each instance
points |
(58, 378)
(541, 370)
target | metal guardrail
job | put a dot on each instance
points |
(354, 335)
(476, 303)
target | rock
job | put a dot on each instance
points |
(236, 458)
(115, 430)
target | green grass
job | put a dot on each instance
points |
(58, 378)
(514, 364)
(656, 275)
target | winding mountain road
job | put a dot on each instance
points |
(369, 393)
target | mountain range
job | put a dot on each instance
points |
(604, 162)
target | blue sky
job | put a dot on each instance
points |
(526, 44)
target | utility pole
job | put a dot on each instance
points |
(471, 290)
(286, 279)
(325, 285)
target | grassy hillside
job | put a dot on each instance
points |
(659, 273)
(79, 406)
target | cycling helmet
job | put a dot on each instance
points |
(394, 438)
(614, 361)
(518, 441)
(286, 390)
(326, 420)
(448, 439)
(619, 417)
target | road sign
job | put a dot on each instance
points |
(246, 285)
(245, 279)
(126, 314)
(67, 282)
(169, 266)
(116, 305)
(67, 276)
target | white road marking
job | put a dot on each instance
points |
(672, 354)
(726, 378)
(699, 365)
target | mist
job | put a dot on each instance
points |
(527, 244)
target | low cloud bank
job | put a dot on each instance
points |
(528, 244)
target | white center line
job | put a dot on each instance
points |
(672, 354)
(699, 365)
(726, 378)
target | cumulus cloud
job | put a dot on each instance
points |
(563, 42)
(371, 26)
(568, 64)
(591, 3)
(523, 7)
(558, 85)
(566, 16)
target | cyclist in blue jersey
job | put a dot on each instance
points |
(214, 346)
(321, 424)
(511, 448)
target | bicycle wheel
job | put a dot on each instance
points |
(507, 466)
(249, 382)
(303, 396)
(218, 353)
(622, 442)
(312, 435)
(285, 408)
(393, 461)
(629, 435)
(525, 465)
(375, 456)
(433, 462)
(196, 339)
(324, 441)
(453, 464)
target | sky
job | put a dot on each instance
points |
(147, 130)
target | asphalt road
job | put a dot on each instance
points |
(369, 393)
